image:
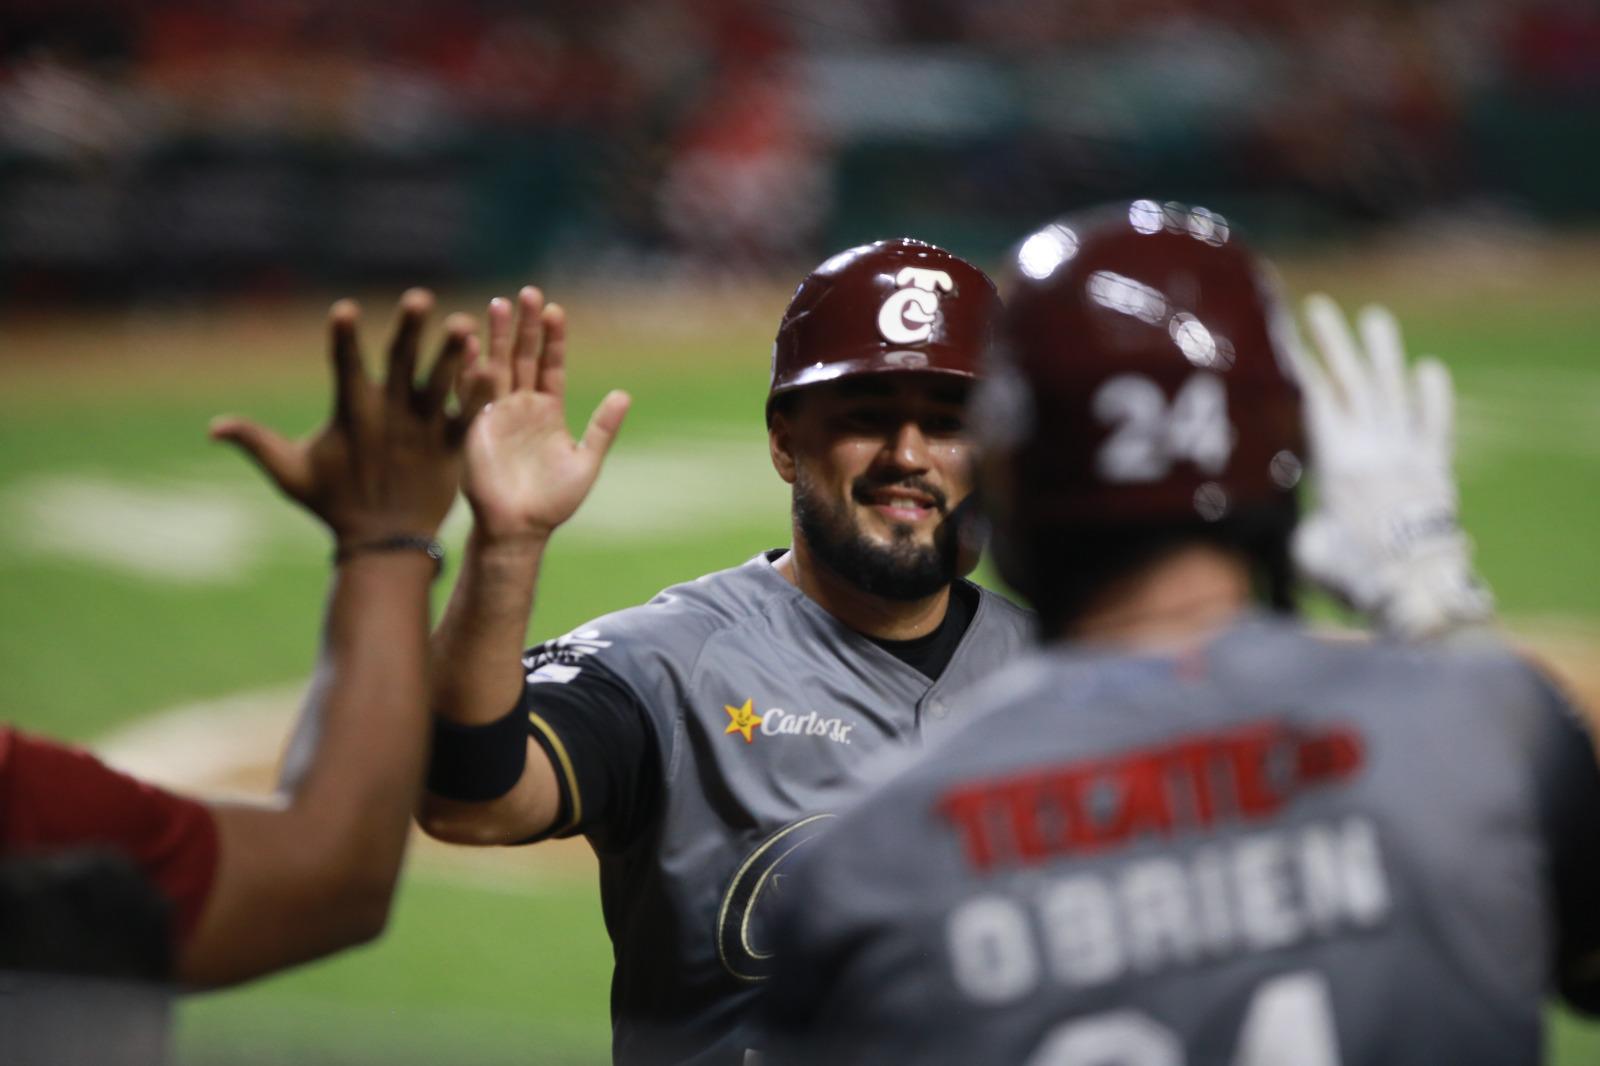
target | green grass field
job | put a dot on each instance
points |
(144, 568)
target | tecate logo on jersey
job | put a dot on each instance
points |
(1192, 784)
(777, 722)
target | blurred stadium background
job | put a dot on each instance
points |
(185, 185)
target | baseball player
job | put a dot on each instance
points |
(101, 874)
(698, 740)
(1188, 830)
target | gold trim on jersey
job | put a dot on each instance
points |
(566, 771)
(755, 894)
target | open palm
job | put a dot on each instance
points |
(386, 463)
(525, 474)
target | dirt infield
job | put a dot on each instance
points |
(1571, 650)
(229, 748)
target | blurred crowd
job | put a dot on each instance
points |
(480, 137)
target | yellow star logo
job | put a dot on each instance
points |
(745, 719)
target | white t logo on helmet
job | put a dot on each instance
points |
(907, 316)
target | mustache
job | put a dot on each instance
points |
(862, 488)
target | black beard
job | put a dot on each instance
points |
(901, 570)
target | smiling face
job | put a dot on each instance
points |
(878, 464)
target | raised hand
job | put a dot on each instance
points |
(386, 464)
(525, 474)
(1384, 536)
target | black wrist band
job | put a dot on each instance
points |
(403, 542)
(478, 763)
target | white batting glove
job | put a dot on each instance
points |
(1385, 536)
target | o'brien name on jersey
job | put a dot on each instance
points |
(1085, 923)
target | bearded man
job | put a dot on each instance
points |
(698, 740)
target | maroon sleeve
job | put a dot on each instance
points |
(56, 798)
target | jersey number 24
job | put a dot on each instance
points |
(1290, 1019)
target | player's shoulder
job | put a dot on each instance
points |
(1481, 661)
(1020, 682)
(673, 625)
(997, 612)
(1476, 679)
(692, 610)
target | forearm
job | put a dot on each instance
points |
(476, 651)
(315, 873)
(356, 761)
(477, 677)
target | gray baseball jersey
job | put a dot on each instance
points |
(1273, 850)
(762, 715)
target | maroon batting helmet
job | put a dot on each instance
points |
(1139, 380)
(887, 307)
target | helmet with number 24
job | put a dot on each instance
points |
(1140, 381)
